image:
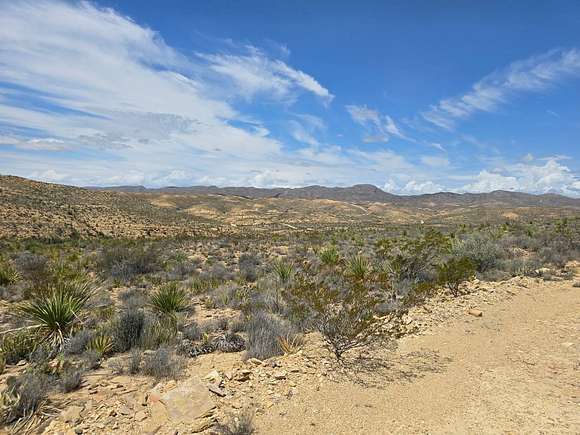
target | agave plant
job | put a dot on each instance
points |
(169, 299)
(59, 311)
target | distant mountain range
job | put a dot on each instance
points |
(366, 193)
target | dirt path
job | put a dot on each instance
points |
(514, 370)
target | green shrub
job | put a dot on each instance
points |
(454, 272)
(483, 251)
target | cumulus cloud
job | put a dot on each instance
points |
(534, 74)
(551, 176)
(412, 187)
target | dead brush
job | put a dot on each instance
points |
(291, 343)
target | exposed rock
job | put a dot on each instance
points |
(188, 402)
(217, 390)
(476, 313)
(72, 414)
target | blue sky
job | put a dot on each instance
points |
(411, 96)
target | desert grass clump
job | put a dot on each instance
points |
(248, 266)
(128, 329)
(71, 380)
(329, 256)
(24, 398)
(8, 274)
(163, 364)
(18, 345)
(78, 343)
(60, 311)
(169, 300)
(264, 332)
(358, 267)
(242, 424)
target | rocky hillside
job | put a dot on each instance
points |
(370, 193)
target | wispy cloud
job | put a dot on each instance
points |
(535, 74)
(256, 74)
(379, 128)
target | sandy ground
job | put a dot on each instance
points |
(514, 370)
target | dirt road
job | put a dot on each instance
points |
(516, 369)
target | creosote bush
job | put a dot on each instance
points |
(454, 272)
(127, 261)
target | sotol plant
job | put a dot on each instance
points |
(170, 299)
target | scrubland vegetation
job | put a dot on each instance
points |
(70, 306)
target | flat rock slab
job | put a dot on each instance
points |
(187, 403)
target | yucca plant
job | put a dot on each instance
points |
(329, 256)
(59, 310)
(101, 344)
(358, 267)
(8, 275)
(283, 271)
(170, 299)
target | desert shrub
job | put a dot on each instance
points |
(237, 425)
(344, 308)
(214, 325)
(264, 331)
(8, 274)
(134, 298)
(57, 313)
(226, 295)
(91, 359)
(23, 397)
(454, 272)
(134, 364)
(77, 344)
(192, 332)
(229, 342)
(128, 329)
(157, 332)
(483, 251)
(32, 267)
(18, 345)
(169, 299)
(71, 380)
(162, 363)
(521, 266)
(248, 266)
(125, 262)
(329, 256)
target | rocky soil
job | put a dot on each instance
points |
(503, 358)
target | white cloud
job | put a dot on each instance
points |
(435, 162)
(256, 74)
(535, 74)
(552, 176)
(378, 128)
(412, 187)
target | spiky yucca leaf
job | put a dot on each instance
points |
(169, 299)
(59, 310)
(283, 271)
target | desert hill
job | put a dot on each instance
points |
(35, 209)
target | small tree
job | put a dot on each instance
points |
(455, 271)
